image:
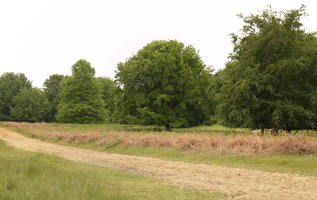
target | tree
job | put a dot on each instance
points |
(10, 86)
(109, 94)
(30, 105)
(165, 83)
(52, 87)
(270, 81)
(80, 96)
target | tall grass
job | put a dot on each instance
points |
(240, 144)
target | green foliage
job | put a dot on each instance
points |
(31, 105)
(52, 87)
(80, 96)
(10, 86)
(110, 95)
(271, 78)
(165, 83)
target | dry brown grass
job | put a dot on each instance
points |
(237, 144)
(251, 144)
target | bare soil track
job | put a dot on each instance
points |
(238, 183)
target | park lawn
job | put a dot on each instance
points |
(27, 175)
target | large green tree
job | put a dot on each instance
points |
(271, 81)
(10, 86)
(80, 96)
(165, 83)
(52, 87)
(30, 105)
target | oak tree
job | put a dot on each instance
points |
(165, 83)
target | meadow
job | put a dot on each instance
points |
(214, 145)
(27, 175)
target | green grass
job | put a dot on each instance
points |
(106, 127)
(214, 128)
(85, 128)
(25, 175)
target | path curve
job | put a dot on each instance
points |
(238, 183)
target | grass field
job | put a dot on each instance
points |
(291, 154)
(26, 175)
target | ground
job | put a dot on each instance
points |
(238, 183)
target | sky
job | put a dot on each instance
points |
(45, 37)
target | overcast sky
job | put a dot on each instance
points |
(45, 37)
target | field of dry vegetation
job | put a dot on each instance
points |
(249, 144)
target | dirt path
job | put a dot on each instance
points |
(239, 183)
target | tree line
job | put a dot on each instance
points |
(270, 81)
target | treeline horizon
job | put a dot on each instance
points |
(269, 82)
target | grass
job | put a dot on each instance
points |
(285, 156)
(86, 128)
(295, 164)
(215, 129)
(105, 128)
(25, 175)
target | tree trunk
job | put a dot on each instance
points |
(274, 131)
(168, 127)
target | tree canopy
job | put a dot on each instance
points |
(30, 105)
(52, 87)
(271, 78)
(165, 83)
(80, 96)
(10, 86)
(110, 96)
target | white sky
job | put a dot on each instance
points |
(42, 37)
